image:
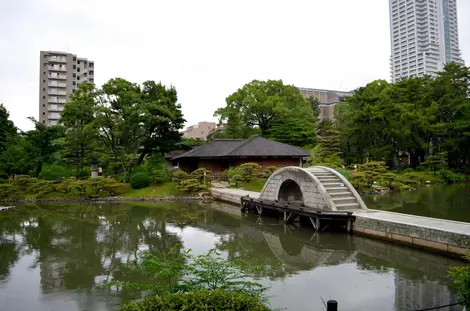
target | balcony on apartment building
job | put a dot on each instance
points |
(56, 108)
(57, 59)
(59, 100)
(57, 84)
(56, 92)
(55, 75)
(53, 116)
(56, 68)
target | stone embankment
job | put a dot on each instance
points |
(451, 237)
(109, 199)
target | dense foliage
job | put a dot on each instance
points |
(200, 301)
(426, 118)
(25, 187)
(269, 108)
(124, 127)
(176, 272)
(462, 279)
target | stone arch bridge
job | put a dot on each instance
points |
(316, 187)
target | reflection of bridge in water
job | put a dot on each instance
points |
(303, 249)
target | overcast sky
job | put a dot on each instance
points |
(207, 49)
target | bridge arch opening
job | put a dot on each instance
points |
(290, 192)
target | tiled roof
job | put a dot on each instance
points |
(256, 146)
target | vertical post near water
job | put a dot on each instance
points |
(332, 305)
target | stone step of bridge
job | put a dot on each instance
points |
(341, 193)
(347, 206)
(323, 174)
(333, 189)
(333, 184)
(344, 200)
(329, 178)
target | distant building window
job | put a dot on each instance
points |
(43, 113)
(44, 97)
(43, 89)
(74, 58)
(78, 78)
(78, 62)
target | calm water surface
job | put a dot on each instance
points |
(54, 257)
(438, 201)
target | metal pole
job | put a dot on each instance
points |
(331, 305)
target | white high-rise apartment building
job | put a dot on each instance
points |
(59, 75)
(424, 37)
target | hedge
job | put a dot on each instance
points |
(24, 186)
(199, 301)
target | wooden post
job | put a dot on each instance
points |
(331, 305)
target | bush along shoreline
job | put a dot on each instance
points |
(25, 189)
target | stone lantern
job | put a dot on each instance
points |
(94, 168)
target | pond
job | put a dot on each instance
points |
(439, 201)
(55, 256)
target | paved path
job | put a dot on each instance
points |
(424, 222)
(438, 234)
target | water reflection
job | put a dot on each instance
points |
(438, 201)
(52, 257)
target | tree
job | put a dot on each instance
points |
(136, 120)
(7, 128)
(80, 142)
(270, 108)
(41, 144)
(315, 104)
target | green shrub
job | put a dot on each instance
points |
(236, 179)
(191, 186)
(462, 280)
(159, 177)
(4, 176)
(53, 172)
(2, 181)
(268, 171)
(345, 173)
(178, 175)
(200, 301)
(140, 180)
(199, 175)
(450, 177)
(85, 173)
(7, 191)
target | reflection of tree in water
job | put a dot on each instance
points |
(76, 243)
(8, 257)
(439, 201)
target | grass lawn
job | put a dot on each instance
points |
(165, 190)
(254, 185)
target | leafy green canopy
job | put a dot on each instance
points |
(416, 116)
(269, 108)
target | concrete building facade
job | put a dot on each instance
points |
(328, 100)
(423, 37)
(200, 131)
(59, 75)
